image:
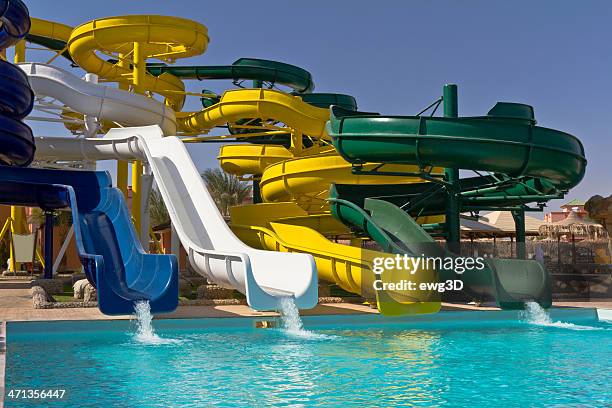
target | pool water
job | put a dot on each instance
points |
(529, 362)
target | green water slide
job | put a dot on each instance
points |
(255, 69)
(509, 282)
(525, 164)
(505, 141)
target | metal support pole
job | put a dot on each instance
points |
(138, 78)
(91, 122)
(136, 194)
(48, 274)
(175, 243)
(63, 249)
(17, 213)
(17, 217)
(20, 52)
(146, 187)
(519, 227)
(122, 177)
(296, 141)
(122, 166)
(257, 83)
(453, 224)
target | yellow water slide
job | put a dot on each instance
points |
(295, 218)
(306, 180)
(134, 39)
(261, 104)
(49, 29)
(286, 227)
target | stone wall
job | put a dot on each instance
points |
(42, 300)
(51, 286)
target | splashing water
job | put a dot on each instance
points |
(536, 315)
(145, 333)
(292, 323)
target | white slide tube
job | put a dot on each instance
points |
(99, 101)
(213, 249)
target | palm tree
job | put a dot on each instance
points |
(226, 189)
(157, 209)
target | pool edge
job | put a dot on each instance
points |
(455, 316)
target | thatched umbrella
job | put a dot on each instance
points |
(572, 225)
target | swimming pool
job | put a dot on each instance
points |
(458, 359)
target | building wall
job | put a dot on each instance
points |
(166, 241)
(556, 216)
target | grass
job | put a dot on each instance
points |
(67, 294)
(65, 297)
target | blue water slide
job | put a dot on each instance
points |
(16, 96)
(112, 256)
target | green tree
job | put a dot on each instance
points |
(157, 209)
(226, 189)
(61, 218)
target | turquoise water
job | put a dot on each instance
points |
(453, 364)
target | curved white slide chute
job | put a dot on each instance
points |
(214, 251)
(102, 102)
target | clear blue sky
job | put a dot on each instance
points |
(394, 56)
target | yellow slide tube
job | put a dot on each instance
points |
(259, 103)
(160, 37)
(250, 159)
(306, 180)
(168, 39)
(50, 29)
(348, 267)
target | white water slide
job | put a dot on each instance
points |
(213, 250)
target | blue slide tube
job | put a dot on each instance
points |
(112, 257)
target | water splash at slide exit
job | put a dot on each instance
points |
(145, 333)
(292, 323)
(537, 315)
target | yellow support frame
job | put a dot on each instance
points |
(9, 225)
(122, 166)
(139, 76)
(17, 213)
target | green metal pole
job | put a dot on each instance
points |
(519, 227)
(453, 225)
(257, 83)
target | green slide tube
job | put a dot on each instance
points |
(256, 69)
(505, 141)
(509, 282)
(294, 77)
(529, 164)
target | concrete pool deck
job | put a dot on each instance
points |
(16, 305)
(21, 312)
